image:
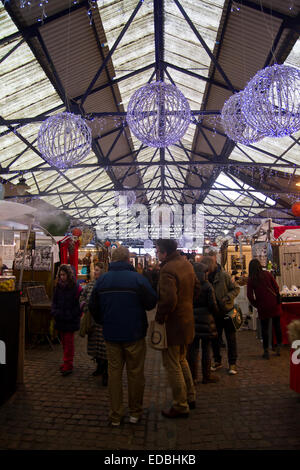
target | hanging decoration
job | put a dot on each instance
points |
(234, 123)
(107, 243)
(64, 140)
(87, 236)
(296, 209)
(271, 101)
(158, 114)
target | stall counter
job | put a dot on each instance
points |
(290, 312)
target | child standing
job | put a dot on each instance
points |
(66, 312)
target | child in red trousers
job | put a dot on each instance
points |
(66, 312)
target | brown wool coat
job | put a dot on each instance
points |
(176, 288)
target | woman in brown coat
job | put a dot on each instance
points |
(263, 293)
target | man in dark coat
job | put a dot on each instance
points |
(225, 291)
(176, 286)
(119, 302)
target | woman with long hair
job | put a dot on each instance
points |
(66, 312)
(263, 294)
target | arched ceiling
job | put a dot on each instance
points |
(89, 57)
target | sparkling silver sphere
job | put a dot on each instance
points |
(271, 101)
(234, 123)
(158, 114)
(64, 140)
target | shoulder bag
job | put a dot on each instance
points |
(157, 336)
(236, 316)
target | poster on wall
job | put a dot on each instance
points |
(19, 260)
(8, 237)
(31, 241)
(42, 260)
(7, 254)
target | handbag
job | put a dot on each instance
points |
(157, 335)
(85, 324)
(236, 316)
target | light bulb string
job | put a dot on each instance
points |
(67, 60)
(269, 28)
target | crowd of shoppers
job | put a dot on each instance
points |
(191, 299)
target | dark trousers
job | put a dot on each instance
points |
(265, 330)
(227, 326)
(193, 357)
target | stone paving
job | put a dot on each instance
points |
(254, 410)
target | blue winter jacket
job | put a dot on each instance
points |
(119, 302)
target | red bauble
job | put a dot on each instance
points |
(76, 232)
(238, 234)
(296, 209)
(107, 243)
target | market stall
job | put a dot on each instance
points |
(287, 239)
(12, 317)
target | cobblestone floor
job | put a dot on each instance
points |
(252, 410)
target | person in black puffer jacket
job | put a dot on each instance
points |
(205, 310)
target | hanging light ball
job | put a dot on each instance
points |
(234, 123)
(158, 114)
(296, 209)
(64, 140)
(271, 101)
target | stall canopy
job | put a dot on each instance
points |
(286, 232)
(15, 212)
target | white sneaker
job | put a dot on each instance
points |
(232, 370)
(115, 423)
(133, 419)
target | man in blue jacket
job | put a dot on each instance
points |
(119, 302)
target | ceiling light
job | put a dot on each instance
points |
(22, 186)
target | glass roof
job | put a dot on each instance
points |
(26, 92)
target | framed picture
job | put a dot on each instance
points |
(236, 264)
(31, 241)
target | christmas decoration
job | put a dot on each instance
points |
(158, 114)
(234, 123)
(87, 236)
(76, 232)
(64, 140)
(296, 209)
(271, 101)
(107, 243)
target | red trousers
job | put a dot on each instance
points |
(67, 339)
